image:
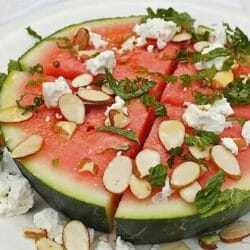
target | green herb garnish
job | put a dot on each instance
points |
(157, 176)
(3, 76)
(34, 33)
(182, 19)
(173, 153)
(13, 66)
(34, 82)
(128, 89)
(183, 55)
(203, 99)
(130, 134)
(240, 120)
(37, 102)
(38, 68)
(64, 43)
(238, 92)
(55, 163)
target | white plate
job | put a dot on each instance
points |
(15, 41)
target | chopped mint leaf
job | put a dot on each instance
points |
(3, 76)
(182, 19)
(64, 43)
(173, 153)
(238, 92)
(34, 33)
(38, 68)
(217, 52)
(210, 137)
(13, 66)
(227, 65)
(160, 110)
(157, 176)
(130, 134)
(183, 55)
(203, 99)
(34, 82)
(37, 102)
(240, 120)
(207, 197)
(128, 89)
(55, 163)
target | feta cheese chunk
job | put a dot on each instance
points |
(246, 131)
(97, 41)
(230, 145)
(123, 245)
(128, 45)
(16, 196)
(102, 245)
(208, 117)
(52, 221)
(104, 60)
(53, 90)
(164, 194)
(156, 28)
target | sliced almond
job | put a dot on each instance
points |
(185, 174)
(199, 46)
(171, 133)
(226, 160)
(72, 108)
(106, 89)
(235, 232)
(146, 159)
(34, 233)
(178, 245)
(87, 165)
(96, 97)
(76, 236)
(81, 39)
(182, 37)
(87, 54)
(118, 119)
(139, 187)
(47, 244)
(222, 79)
(117, 174)
(188, 193)
(82, 80)
(200, 154)
(241, 143)
(65, 128)
(14, 114)
(28, 146)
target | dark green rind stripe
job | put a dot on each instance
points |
(164, 230)
(92, 215)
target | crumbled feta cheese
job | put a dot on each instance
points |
(97, 41)
(150, 48)
(123, 245)
(156, 28)
(119, 153)
(104, 60)
(230, 145)
(52, 221)
(219, 35)
(118, 104)
(128, 45)
(16, 196)
(58, 116)
(208, 117)
(164, 194)
(53, 90)
(102, 245)
(246, 131)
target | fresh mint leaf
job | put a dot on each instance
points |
(217, 52)
(207, 197)
(203, 99)
(34, 33)
(160, 110)
(64, 43)
(238, 92)
(13, 66)
(34, 82)
(55, 163)
(37, 102)
(130, 134)
(182, 19)
(183, 55)
(38, 68)
(157, 176)
(210, 137)
(129, 89)
(240, 120)
(174, 152)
